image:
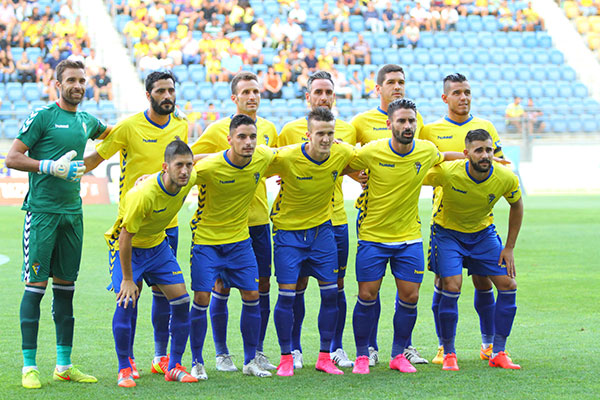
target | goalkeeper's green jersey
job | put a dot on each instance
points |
(50, 132)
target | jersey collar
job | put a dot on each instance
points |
(447, 118)
(160, 183)
(381, 111)
(401, 154)
(154, 123)
(475, 180)
(232, 164)
(303, 147)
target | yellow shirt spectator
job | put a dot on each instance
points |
(134, 29)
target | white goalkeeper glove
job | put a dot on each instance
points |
(64, 168)
(177, 113)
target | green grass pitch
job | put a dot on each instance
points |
(555, 335)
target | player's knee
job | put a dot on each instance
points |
(249, 295)
(264, 285)
(412, 297)
(367, 294)
(481, 282)
(202, 298)
(302, 283)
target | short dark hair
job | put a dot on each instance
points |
(318, 75)
(242, 76)
(177, 148)
(320, 114)
(67, 64)
(386, 69)
(238, 120)
(157, 76)
(456, 77)
(477, 135)
(401, 103)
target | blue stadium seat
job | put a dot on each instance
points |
(462, 25)
(187, 91)
(475, 23)
(426, 40)
(313, 24)
(453, 55)
(556, 57)
(268, 54)
(511, 55)
(433, 73)
(16, 53)
(181, 72)
(580, 90)
(198, 105)
(552, 72)
(320, 39)
(476, 89)
(538, 72)
(535, 90)
(530, 41)
(520, 89)
(437, 56)
(541, 56)
(575, 125)
(32, 91)
(21, 108)
(591, 106)
(222, 91)
(527, 57)
(442, 40)
(509, 73)
(471, 40)
(205, 91)
(120, 21)
(107, 110)
(515, 39)
(468, 56)
(14, 91)
(544, 40)
(428, 90)
(357, 23)
(589, 124)
(493, 72)
(478, 73)
(505, 90)
(490, 23)
(172, 22)
(484, 56)
(490, 90)
(421, 56)
(486, 40)
(567, 73)
(33, 53)
(377, 57)
(37, 104)
(456, 39)
(550, 89)
(393, 56)
(11, 128)
(565, 89)
(271, 7)
(559, 125)
(501, 39)
(523, 73)
(412, 90)
(196, 73)
(382, 40)
(288, 92)
(417, 74)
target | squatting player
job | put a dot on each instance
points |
(448, 134)
(320, 93)
(463, 234)
(304, 241)
(245, 93)
(144, 252)
(141, 141)
(53, 136)
(372, 125)
(221, 243)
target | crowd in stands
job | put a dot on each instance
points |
(586, 16)
(36, 35)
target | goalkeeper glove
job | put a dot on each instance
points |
(64, 168)
(177, 113)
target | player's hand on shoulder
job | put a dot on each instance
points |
(502, 161)
(177, 113)
(141, 179)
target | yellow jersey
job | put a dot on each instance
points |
(225, 192)
(307, 186)
(372, 125)
(141, 144)
(295, 132)
(467, 203)
(214, 139)
(146, 211)
(389, 212)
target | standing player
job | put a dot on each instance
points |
(53, 232)
(448, 134)
(144, 252)
(304, 241)
(372, 125)
(389, 230)
(221, 243)
(141, 141)
(463, 234)
(245, 93)
(320, 93)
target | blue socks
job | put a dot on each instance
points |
(448, 314)
(265, 311)
(404, 322)
(133, 326)
(198, 328)
(283, 315)
(250, 327)
(327, 315)
(218, 319)
(375, 324)
(506, 308)
(299, 312)
(485, 306)
(180, 328)
(161, 313)
(336, 342)
(122, 333)
(435, 305)
(362, 322)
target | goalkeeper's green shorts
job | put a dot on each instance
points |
(51, 246)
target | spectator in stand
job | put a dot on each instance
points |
(370, 86)
(213, 27)
(102, 86)
(325, 61)
(412, 33)
(292, 30)
(298, 46)
(311, 61)
(231, 64)
(588, 7)
(7, 16)
(533, 20)
(238, 48)
(7, 67)
(260, 30)
(149, 62)
(436, 18)
(40, 67)
(347, 53)
(372, 18)
(260, 77)
(276, 32)
(535, 124)
(212, 62)
(49, 91)
(356, 85)
(92, 63)
(254, 46)
(340, 83)
(25, 69)
(133, 30)
(389, 17)
(77, 54)
(334, 49)
(194, 118)
(189, 50)
(298, 15)
(327, 18)
(421, 16)
(448, 19)
(361, 51)
(342, 15)
(514, 115)
(273, 85)
(302, 82)
(506, 20)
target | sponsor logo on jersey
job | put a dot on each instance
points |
(334, 175)
(149, 140)
(159, 211)
(419, 272)
(491, 197)
(380, 129)
(418, 167)
(387, 165)
(459, 191)
(304, 178)
(226, 182)
(63, 126)
(445, 137)
(177, 272)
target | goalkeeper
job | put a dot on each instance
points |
(54, 138)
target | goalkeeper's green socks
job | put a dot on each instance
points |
(30, 320)
(62, 312)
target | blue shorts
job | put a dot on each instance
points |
(406, 261)
(234, 263)
(341, 240)
(261, 244)
(479, 252)
(310, 252)
(157, 265)
(173, 238)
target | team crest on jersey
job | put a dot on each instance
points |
(256, 177)
(334, 175)
(35, 267)
(266, 139)
(491, 197)
(418, 167)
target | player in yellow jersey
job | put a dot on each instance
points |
(221, 243)
(144, 253)
(463, 235)
(320, 93)
(372, 125)
(448, 134)
(304, 241)
(245, 93)
(141, 141)
(389, 230)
